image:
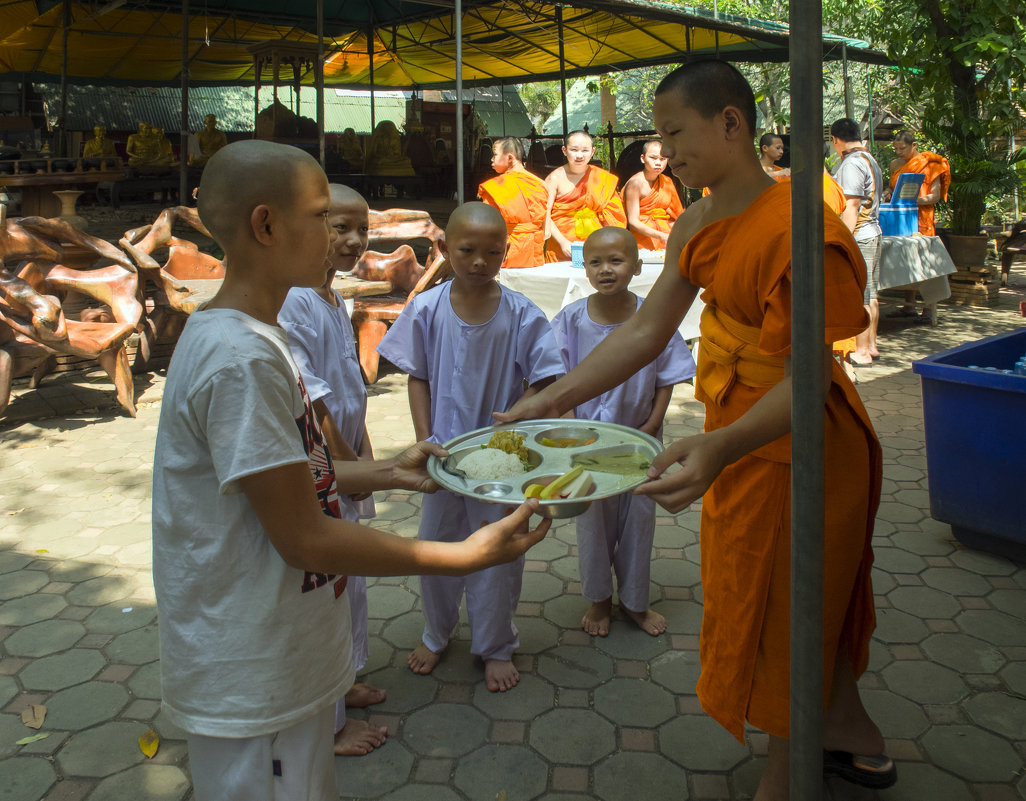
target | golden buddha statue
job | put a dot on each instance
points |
(142, 148)
(165, 154)
(351, 149)
(210, 140)
(99, 146)
(385, 154)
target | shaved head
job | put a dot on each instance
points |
(246, 174)
(474, 215)
(342, 195)
(906, 137)
(709, 86)
(617, 237)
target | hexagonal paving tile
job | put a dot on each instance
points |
(955, 581)
(575, 666)
(917, 780)
(972, 753)
(996, 628)
(536, 634)
(119, 618)
(421, 792)
(29, 610)
(102, 751)
(62, 670)
(895, 626)
(634, 702)
(896, 717)
(145, 682)
(1011, 602)
(383, 770)
(627, 641)
(539, 587)
(632, 775)
(388, 602)
(26, 778)
(445, 730)
(983, 563)
(137, 647)
(963, 653)
(677, 671)
(404, 631)
(532, 697)
(21, 583)
(84, 705)
(924, 602)
(407, 691)
(512, 769)
(924, 682)
(1002, 713)
(152, 782)
(593, 737)
(47, 637)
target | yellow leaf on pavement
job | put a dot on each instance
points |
(33, 715)
(149, 743)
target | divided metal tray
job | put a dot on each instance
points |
(547, 462)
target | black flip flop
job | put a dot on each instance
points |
(854, 363)
(875, 772)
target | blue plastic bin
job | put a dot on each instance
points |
(975, 424)
(900, 217)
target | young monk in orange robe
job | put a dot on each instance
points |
(522, 199)
(651, 200)
(582, 199)
(735, 244)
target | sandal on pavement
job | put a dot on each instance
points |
(902, 312)
(875, 772)
(854, 363)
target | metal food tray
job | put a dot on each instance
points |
(546, 462)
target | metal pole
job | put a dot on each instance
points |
(370, 56)
(319, 78)
(183, 155)
(62, 146)
(869, 100)
(807, 410)
(458, 14)
(562, 68)
(847, 86)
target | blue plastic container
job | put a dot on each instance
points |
(975, 424)
(577, 254)
(900, 217)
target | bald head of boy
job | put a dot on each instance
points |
(246, 174)
(475, 240)
(613, 237)
(475, 216)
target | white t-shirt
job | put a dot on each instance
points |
(248, 644)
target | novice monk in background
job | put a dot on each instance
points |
(322, 343)
(771, 150)
(615, 534)
(469, 346)
(651, 200)
(582, 198)
(736, 244)
(522, 199)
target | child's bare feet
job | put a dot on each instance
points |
(361, 695)
(596, 619)
(422, 659)
(649, 621)
(501, 675)
(358, 737)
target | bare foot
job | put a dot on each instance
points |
(361, 695)
(358, 737)
(649, 621)
(422, 659)
(596, 619)
(500, 675)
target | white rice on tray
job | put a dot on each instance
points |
(487, 464)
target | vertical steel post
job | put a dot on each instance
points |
(458, 14)
(869, 96)
(807, 411)
(847, 82)
(319, 79)
(370, 57)
(562, 68)
(61, 147)
(183, 155)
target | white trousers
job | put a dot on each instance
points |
(357, 590)
(615, 535)
(295, 764)
(492, 594)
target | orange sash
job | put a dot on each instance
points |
(522, 198)
(658, 209)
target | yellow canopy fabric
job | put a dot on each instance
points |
(502, 42)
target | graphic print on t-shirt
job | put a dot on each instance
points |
(324, 482)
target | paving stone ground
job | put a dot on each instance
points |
(613, 719)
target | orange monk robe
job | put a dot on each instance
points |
(744, 264)
(522, 199)
(658, 209)
(596, 191)
(933, 167)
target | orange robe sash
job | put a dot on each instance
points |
(595, 195)
(743, 264)
(932, 166)
(522, 198)
(658, 209)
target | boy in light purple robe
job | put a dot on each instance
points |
(617, 533)
(468, 347)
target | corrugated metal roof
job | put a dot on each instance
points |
(121, 108)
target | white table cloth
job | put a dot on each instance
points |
(917, 262)
(553, 286)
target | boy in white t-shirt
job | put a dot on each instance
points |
(615, 535)
(249, 566)
(323, 345)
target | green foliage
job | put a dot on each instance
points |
(541, 99)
